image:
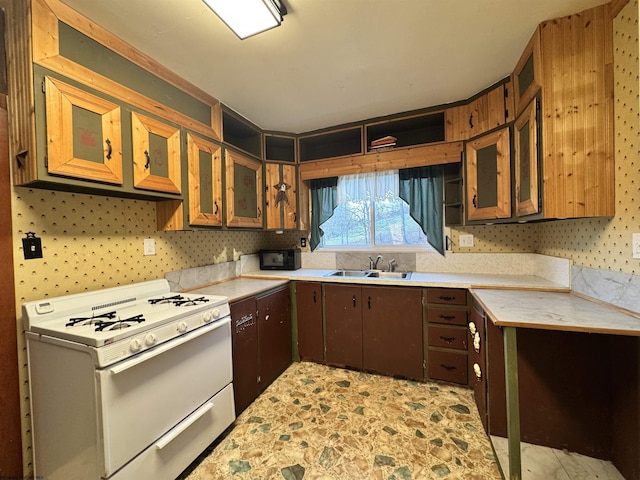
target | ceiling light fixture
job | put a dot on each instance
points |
(248, 17)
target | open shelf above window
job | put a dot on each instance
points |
(331, 144)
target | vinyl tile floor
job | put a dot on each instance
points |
(318, 422)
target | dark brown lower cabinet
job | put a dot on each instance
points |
(261, 343)
(366, 330)
(309, 316)
(343, 317)
(392, 331)
(477, 342)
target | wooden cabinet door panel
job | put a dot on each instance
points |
(84, 138)
(205, 182)
(343, 320)
(156, 155)
(309, 313)
(274, 333)
(392, 340)
(488, 163)
(244, 329)
(244, 191)
(526, 161)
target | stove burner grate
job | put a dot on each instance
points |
(81, 321)
(118, 324)
(175, 298)
(178, 301)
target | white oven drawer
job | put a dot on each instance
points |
(171, 454)
(142, 398)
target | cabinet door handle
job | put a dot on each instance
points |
(447, 339)
(109, 148)
(475, 201)
(215, 212)
(266, 317)
(146, 154)
(369, 302)
(447, 317)
(259, 212)
(471, 121)
(448, 367)
(446, 297)
(314, 297)
(354, 301)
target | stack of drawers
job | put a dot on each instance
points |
(447, 358)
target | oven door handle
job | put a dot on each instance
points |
(144, 356)
(186, 423)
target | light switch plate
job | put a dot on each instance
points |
(465, 241)
(635, 242)
(149, 246)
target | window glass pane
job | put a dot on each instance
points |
(394, 225)
(370, 213)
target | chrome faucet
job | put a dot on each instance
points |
(373, 264)
(392, 265)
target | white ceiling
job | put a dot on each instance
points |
(335, 61)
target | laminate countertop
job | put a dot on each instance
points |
(554, 311)
(239, 288)
(418, 279)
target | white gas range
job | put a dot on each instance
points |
(127, 382)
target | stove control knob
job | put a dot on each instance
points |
(150, 339)
(207, 316)
(182, 327)
(215, 312)
(135, 345)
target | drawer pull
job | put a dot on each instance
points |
(477, 371)
(448, 367)
(472, 328)
(447, 339)
(476, 342)
(447, 317)
(448, 298)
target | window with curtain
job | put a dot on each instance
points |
(370, 212)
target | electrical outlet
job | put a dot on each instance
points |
(465, 241)
(303, 242)
(635, 242)
(149, 246)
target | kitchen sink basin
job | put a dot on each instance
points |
(369, 274)
(348, 273)
(393, 275)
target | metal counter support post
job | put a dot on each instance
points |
(513, 405)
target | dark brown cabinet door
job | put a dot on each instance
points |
(245, 352)
(309, 308)
(343, 312)
(478, 363)
(274, 328)
(392, 331)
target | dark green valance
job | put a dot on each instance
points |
(324, 194)
(422, 189)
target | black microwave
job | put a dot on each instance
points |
(280, 259)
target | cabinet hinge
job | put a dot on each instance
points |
(506, 92)
(506, 113)
(424, 364)
(46, 162)
(188, 218)
(44, 88)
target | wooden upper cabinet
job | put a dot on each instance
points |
(481, 114)
(526, 161)
(156, 154)
(83, 134)
(205, 182)
(244, 191)
(280, 196)
(527, 76)
(577, 115)
(488, 170)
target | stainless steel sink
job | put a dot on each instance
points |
(394, 275)
(348, 273)
(369, 274)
